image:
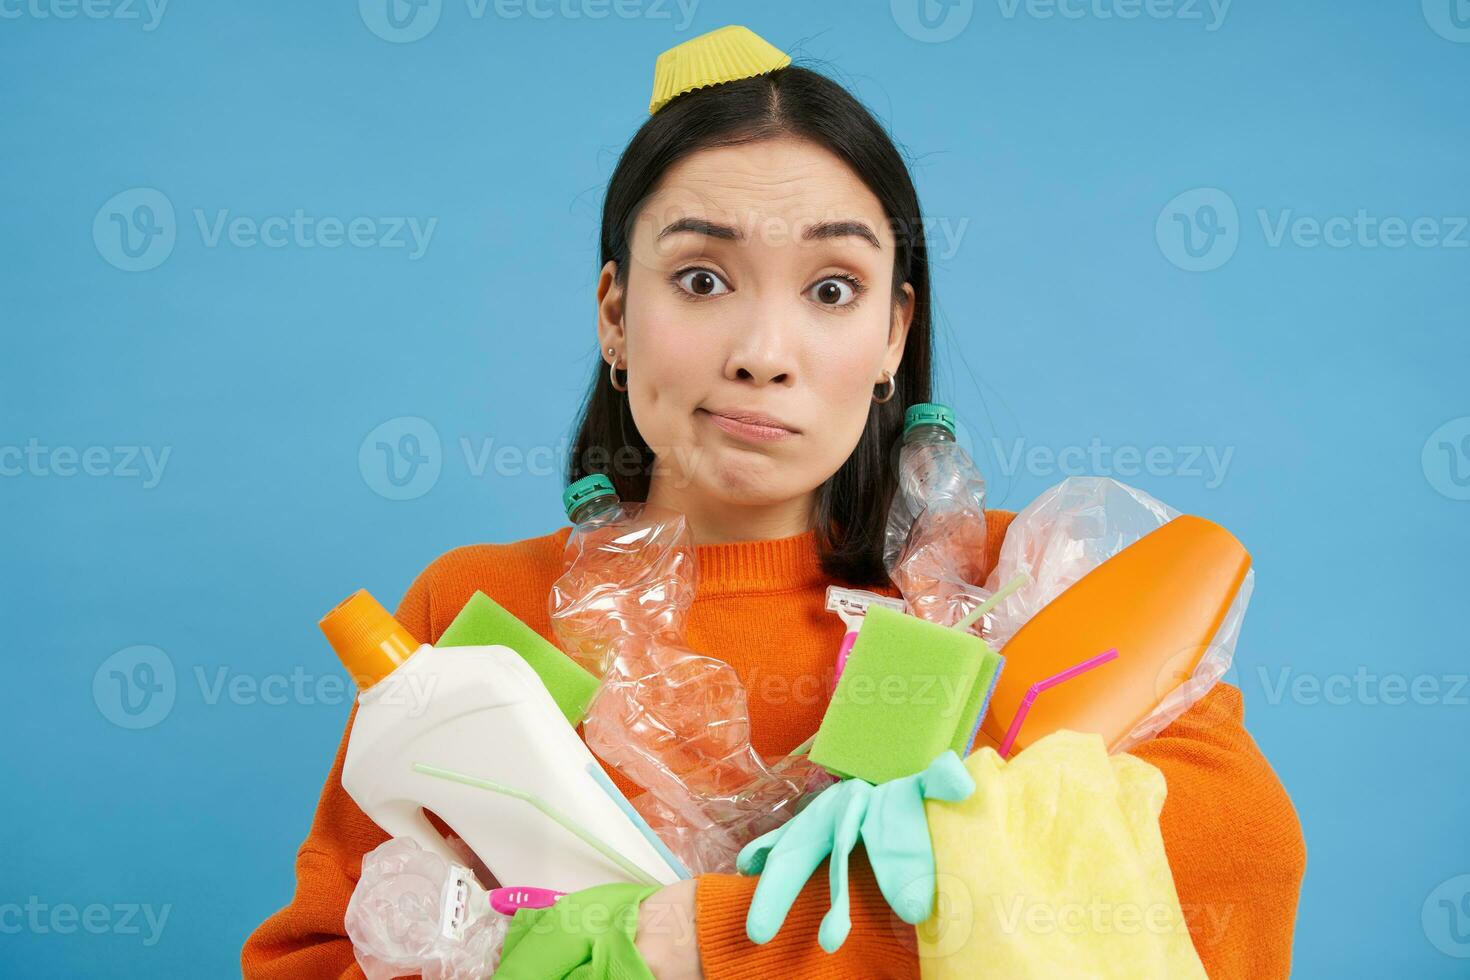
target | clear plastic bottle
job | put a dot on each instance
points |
(672, 720)
(935, 542)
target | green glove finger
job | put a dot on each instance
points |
(838, 922)
(946, 778)
(806, 842)
(896, 834)
(752, 857)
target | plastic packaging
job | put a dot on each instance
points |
(1066, 532)
(673, 721)
(934, 545)
(413, 912)
(484, 712)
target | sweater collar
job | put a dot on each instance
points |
(745, 567)
(769, 565)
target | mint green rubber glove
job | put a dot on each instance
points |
(888, 818)
(587, 935)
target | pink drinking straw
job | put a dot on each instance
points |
(1039, 686)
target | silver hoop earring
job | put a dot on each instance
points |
(892, 386)
(612, 373)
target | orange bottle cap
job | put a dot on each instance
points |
(369, 641)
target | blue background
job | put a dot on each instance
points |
(1055, 143)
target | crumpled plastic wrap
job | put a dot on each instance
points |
(399, 923)
(672, 720)
(1066, 532)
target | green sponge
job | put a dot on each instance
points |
(485, 622)
(911, 689)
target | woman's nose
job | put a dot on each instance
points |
(763, 351)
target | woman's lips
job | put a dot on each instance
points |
(749, 431)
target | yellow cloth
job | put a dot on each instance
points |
(1055, 868)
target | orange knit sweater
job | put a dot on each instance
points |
(1231, 834)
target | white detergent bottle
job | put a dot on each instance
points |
(539, 811)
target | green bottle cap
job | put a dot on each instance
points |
(585, 489)
(928, 413)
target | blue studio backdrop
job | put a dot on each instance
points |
(295, 297)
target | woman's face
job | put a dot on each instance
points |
(757, 317)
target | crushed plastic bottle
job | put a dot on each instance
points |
(672, 720)
(934, 546)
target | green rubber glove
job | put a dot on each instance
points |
(587, 935)
(888, 818)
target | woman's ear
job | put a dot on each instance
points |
(611, 296)
(898, 329)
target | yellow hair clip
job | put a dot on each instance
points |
(726, 54)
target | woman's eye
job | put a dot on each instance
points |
(701, 282)
(837, 291)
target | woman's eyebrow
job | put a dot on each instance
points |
(820, 231)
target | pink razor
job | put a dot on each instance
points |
(852, 605)
(507, 900)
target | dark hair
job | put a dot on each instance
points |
(852, 506)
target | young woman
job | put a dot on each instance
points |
(763, 316)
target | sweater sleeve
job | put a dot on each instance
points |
(1232, 837)
(307, 938)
